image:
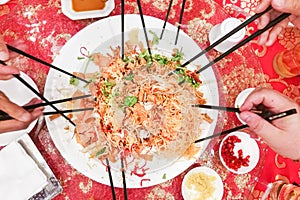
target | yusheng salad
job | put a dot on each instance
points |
(140, 109)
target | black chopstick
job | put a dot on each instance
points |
(166, 19)
(144, 27)
(42, 97)
(43, 62)
(180, 21)
(61, 112)
(67, 111)
(19, 78)
(270, 118)
(55, 102)
(111, 180)
(248, 39)
(228, 109)
(5, 116)
(124, 179)
(122, 26)
(236, 29)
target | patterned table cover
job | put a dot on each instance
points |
(44, 28)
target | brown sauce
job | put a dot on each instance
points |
(88, 5)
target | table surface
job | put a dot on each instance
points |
(45, 30)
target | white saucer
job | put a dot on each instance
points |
(3, 2)
(240, 99)
(19, 94)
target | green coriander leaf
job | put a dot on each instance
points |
(155, 39)
(178, 56)
(80, 58)
(109, 84)
(164, 176)
(74, 81)
(102, 151)
(130, 101)
(129, 77)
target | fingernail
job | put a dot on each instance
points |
(25, 117)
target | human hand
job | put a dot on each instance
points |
(282, 135)
(22, 118)
(6, 72)
(279, 6)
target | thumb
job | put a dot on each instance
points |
(257, 124)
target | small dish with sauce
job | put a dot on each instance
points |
(84, 9)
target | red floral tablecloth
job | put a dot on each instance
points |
(45, 30)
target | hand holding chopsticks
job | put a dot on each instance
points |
(5, 116)
(281, 135)
(269, 118)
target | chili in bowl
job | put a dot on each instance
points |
(239, 153)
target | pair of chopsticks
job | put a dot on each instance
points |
(18, 77)
(5, 116)
(123, 24)
(260, 109)
(179, 22)
(111, 180)
(243, 42)
(269, 117)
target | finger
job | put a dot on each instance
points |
(287, 6)
(263, 20)
(260, 126)
(273, 35)
(273, 100)
(37, 113)
(12, 125)
(33, 101)
(263, 5)
(7, 71)
(13, 109)
(19, 44)
(4, 55)
(295, 21)
(263, 38)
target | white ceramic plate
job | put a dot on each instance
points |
(19, 94)
(240, 99)
(57, 86)
(66, 6)
(248, 146)
(189, 194)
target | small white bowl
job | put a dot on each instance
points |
(240, 99)
(189, 194)
(248, 146)
(66, 6)
(3, 2)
